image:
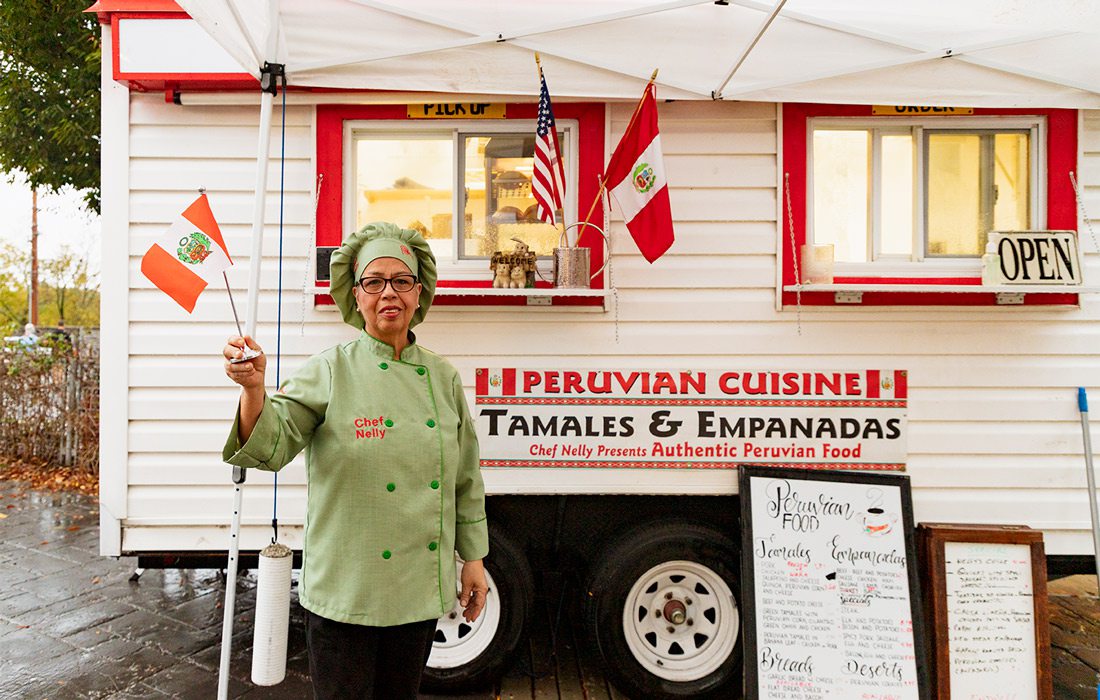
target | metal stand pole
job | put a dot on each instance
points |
(1083, 405)
(230, 584)
(266, 101)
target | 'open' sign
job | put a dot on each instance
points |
(1039, 257)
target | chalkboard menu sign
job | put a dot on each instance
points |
(986, 599)
(830, 593)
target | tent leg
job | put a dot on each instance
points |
(266, 102)
(230, 585)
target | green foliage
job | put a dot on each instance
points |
(14, 269)
(67, 291)
(49, 94)
(70, 287)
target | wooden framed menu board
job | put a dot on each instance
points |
(829, 587)
(985, 591)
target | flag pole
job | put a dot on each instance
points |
(236, 319)
(638, 107)
(603, 187)
(247, 353)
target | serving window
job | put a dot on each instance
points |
(464, 184)
(467, 190)
(910, 200)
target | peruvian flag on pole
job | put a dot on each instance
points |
(636, 179)
(188, 256)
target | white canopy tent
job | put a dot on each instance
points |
(957, 53)
(973, 53)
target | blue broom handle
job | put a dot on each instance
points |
(1083, 405)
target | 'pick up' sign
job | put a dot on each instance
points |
(1038, 257)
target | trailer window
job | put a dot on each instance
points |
(871, 204)
(463, 182)
(976, 182)
(421, 179)
(912, 198)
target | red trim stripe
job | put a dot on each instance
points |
(822, 466)
(901, 384)
(873, 384)
(586, 401)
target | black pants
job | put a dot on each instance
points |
(358, 662)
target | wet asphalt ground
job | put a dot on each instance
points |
(74, 625)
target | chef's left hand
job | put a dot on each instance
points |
(474, 589)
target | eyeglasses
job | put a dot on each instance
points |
(376, 285)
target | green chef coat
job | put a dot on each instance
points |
(394, 483)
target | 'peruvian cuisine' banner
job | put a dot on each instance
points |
(691, 419)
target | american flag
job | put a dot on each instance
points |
(548, 181)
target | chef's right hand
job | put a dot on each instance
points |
(250, 374)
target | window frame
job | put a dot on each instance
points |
(333, 163)
(456, 130)
(1054, 205)
(919, 263)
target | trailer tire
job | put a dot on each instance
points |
(682, 570)
(469, 657)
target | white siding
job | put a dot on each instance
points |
(994, 432)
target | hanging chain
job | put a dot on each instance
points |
(311, 243)
(1081, 208)
(794, 254)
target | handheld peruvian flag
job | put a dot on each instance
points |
(636, 179)
(188, 256)
(548, 178)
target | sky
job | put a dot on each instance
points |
(62, 220)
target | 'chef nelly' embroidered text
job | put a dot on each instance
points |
(371, 427)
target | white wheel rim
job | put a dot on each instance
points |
(458, 642)
(695, 646)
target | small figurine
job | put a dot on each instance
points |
(502, 277)
(519, 277)
(514, 269)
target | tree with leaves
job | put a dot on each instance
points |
(68, 279)
(14, 264)
(69, 295)
(49, 94)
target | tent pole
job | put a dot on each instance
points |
(258, 202)
(748, 49)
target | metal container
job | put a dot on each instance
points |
(572, 264)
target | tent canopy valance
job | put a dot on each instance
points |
(981, 53)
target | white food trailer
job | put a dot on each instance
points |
(896, 135)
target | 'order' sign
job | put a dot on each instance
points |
(1038, 257)
(691, 419)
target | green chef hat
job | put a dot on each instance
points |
(380, 240)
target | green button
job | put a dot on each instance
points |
(383, 365)
(386, 554)
(389, 423)
(391, 487)
(421, 371)
(432, 546)
(435, 484)
(431, 423)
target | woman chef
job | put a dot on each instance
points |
(392, 467)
